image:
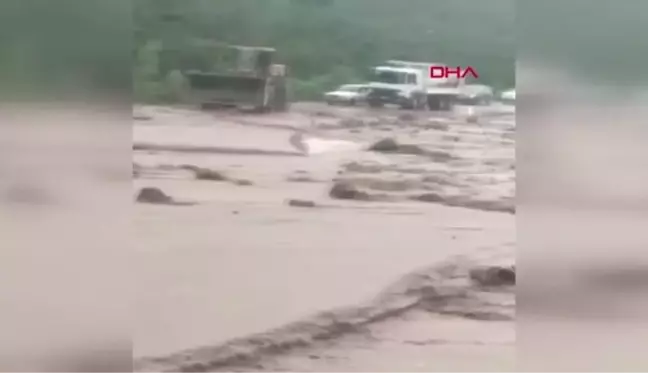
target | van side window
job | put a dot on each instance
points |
(411, 79)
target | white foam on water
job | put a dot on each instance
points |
(321, 146)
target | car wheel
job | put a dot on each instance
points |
(408, 105)
(421, 103)
(434, 103)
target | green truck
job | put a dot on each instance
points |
(238, 76)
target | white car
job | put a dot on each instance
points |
(508, 96)
(350, 94)
(476, 95)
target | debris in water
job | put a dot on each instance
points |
(243, 182)
(493, 275)
(345, 190)
(300, 203)
(207, 174)
(153, 195)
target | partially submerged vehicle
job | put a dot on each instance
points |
(349, 94)
(410, 86)
(475, 95)
(239, 76)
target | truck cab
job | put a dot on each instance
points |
(409, 85)
(402, 86)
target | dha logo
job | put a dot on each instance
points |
(444, 72)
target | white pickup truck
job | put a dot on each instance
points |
(409, 85)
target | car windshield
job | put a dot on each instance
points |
(389, 77)
(349, 88)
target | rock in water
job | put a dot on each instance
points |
(387, 145)
(243, 182)
(345, 190)
(300, 203)
(153, 195)
(493, 275)
(390, 145)
(429, 197)
(207, 174)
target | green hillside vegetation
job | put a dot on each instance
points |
(328, 42)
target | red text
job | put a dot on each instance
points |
(437, 72)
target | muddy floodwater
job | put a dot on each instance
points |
(354, 255)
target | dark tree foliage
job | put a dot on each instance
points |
(330, 42)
